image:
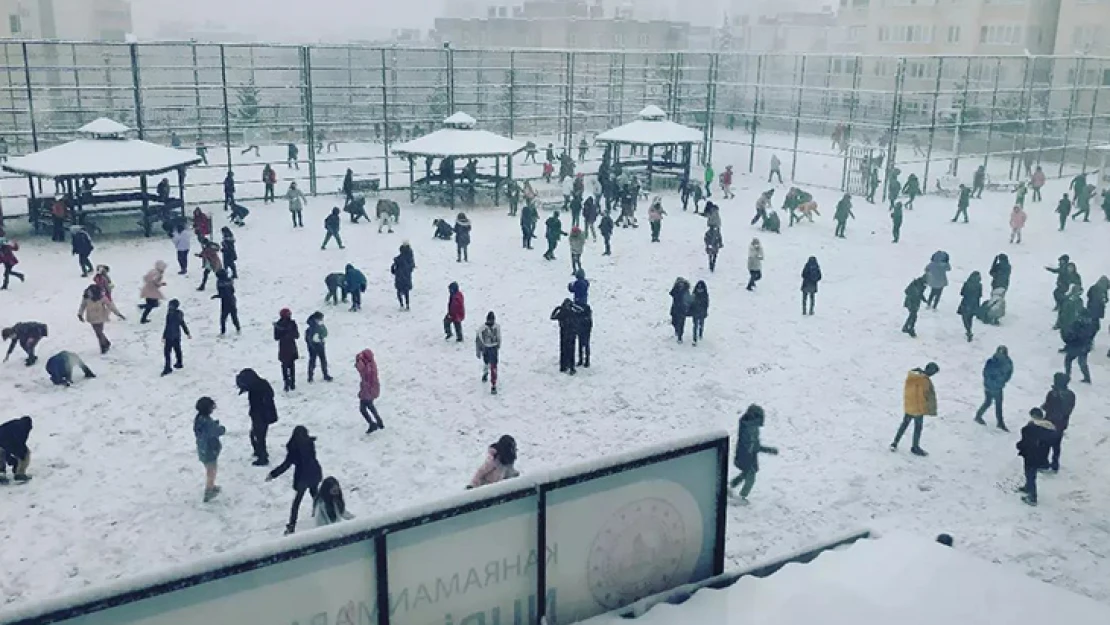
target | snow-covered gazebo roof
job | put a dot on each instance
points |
(101, 150)
(652, 128)
(460, 139)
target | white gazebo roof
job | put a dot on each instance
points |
(102, 151)
(459, 138)
(896, 578)
(652, 128)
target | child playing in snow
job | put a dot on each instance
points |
(1017, 222)
(329, 507)
(208, 432)
(748, 448)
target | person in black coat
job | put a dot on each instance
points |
(584, 327)
(229, 190)
(1079, 338)
(27, 334)
(1036, 439)
(748, 448)
(331, 229)
(14, 450)
(229, 304)
(263, 412)
(300, 453)
(82, 248)
(171, 336)
(403, 266)
(1058, 406)
(811, 275)
(230, 255)
(1000, 272)
(699, 309)
(286, 334)
(335, 282)
(681, 300)
(565, 315)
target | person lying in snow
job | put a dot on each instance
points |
(992, 311)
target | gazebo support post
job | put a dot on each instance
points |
(412, 180)
(181, 188)
(497, 181)
(687, 152)
(76, 203)
(509, 168)
(146, 205)
(650, 165)
(451, 186)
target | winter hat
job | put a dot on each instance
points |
(490, 317)
(932, 368)
(175, 303)
(576, 230)
(285, 313)
(205, 405)
(945, 540)
(580, 274)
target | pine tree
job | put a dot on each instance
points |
(247, 95)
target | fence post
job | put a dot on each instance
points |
(541, 554)
(672, 88)
(196, 94)
(852, 103)
(385, 118)
(1044, 112)
(451, 81)
(77, 82)
(990, 120)
(960, 121)
(381, 577)
(1091, 124)
(227, 108)
(932, 126)
(798, 118)
(136, 86)
(1079, 62)
(30, 99)
(310, 116)
(710, 106)
(1017, 152)
(895, 123)
(755, 112)
(512, 95)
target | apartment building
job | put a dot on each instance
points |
(79, 20)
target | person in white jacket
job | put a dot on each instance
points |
(755, 263)
(596, 191)
(181, 244)
(487, 344)
(568, 191)
(329, 507)
(296, 204)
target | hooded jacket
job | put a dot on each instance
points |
(1000, 272)
(354, 280)
(971, 296)
(286, 335)
(699, 305)
(811, 275)
(936, 272)
(462, 232)
(402, 269)
(456, 304)
(1059, 403)
(97, 311)
(997, 372)
(369, 388)
(748, 445)
(260, 396)
(1036, 440)
(581, 290)
(755, 257)
(920, 398)
(13, 437)
(152, 282)
(300, 452)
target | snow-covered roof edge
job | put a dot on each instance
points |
(103, 127)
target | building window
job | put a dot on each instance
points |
(907, 33)
(14, 24)
(644, 40)
(953, 34)
(859, 4)
(618, 40)
(855, 33)
(1000, 34)
(884, 34)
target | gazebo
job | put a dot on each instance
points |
(653, 130)
(102, 150)
(458, 139)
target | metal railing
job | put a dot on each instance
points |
(935, 116)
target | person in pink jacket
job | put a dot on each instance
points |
(369, 389)
(498, 465)
(1017, 222)
(1036, 182)
(96, 310)
(153, 282)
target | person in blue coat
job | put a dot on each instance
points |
(580, 288)
(60, 367)
(355, 282)
(996, 373)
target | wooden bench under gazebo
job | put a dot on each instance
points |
(458, 140)
(669, 145)
(102, 150)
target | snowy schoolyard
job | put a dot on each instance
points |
(117, 486)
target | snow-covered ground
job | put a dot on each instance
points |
(117, 486)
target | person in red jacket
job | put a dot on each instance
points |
(8, 260)
(726, 183)
(202, 224)
(369, 389)
(456, 312)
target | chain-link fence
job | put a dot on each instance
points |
(314, 111)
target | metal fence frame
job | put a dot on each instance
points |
(995, 111)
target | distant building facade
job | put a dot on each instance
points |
(77, 20)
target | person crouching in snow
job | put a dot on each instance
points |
(369, 389)
(208, 432)
(27, 334)
(171, 336)
(1036, 440)
(498, 465)
(456, 313)
(60, 368)
(97, 310)
(681, 300)
(335, 282)
(355, 283)
(920, 399)
(577, 242)
(748, 448)
(443, 230)
(994, 309)
(329, 507)
(487, 344)
(286, 335)
(13, 449)
(300, 452)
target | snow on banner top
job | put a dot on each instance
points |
(652, 128)
(459, 138)
(104, 128)
(881, 581)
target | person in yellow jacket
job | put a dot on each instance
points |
(920, 399)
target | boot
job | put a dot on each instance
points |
(1029, 499)
(980, 420)
(210, 493)
(917, 451)
(1002, 426)
(289, 529)
(261, 462)
(493, 390)
(21, 478)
